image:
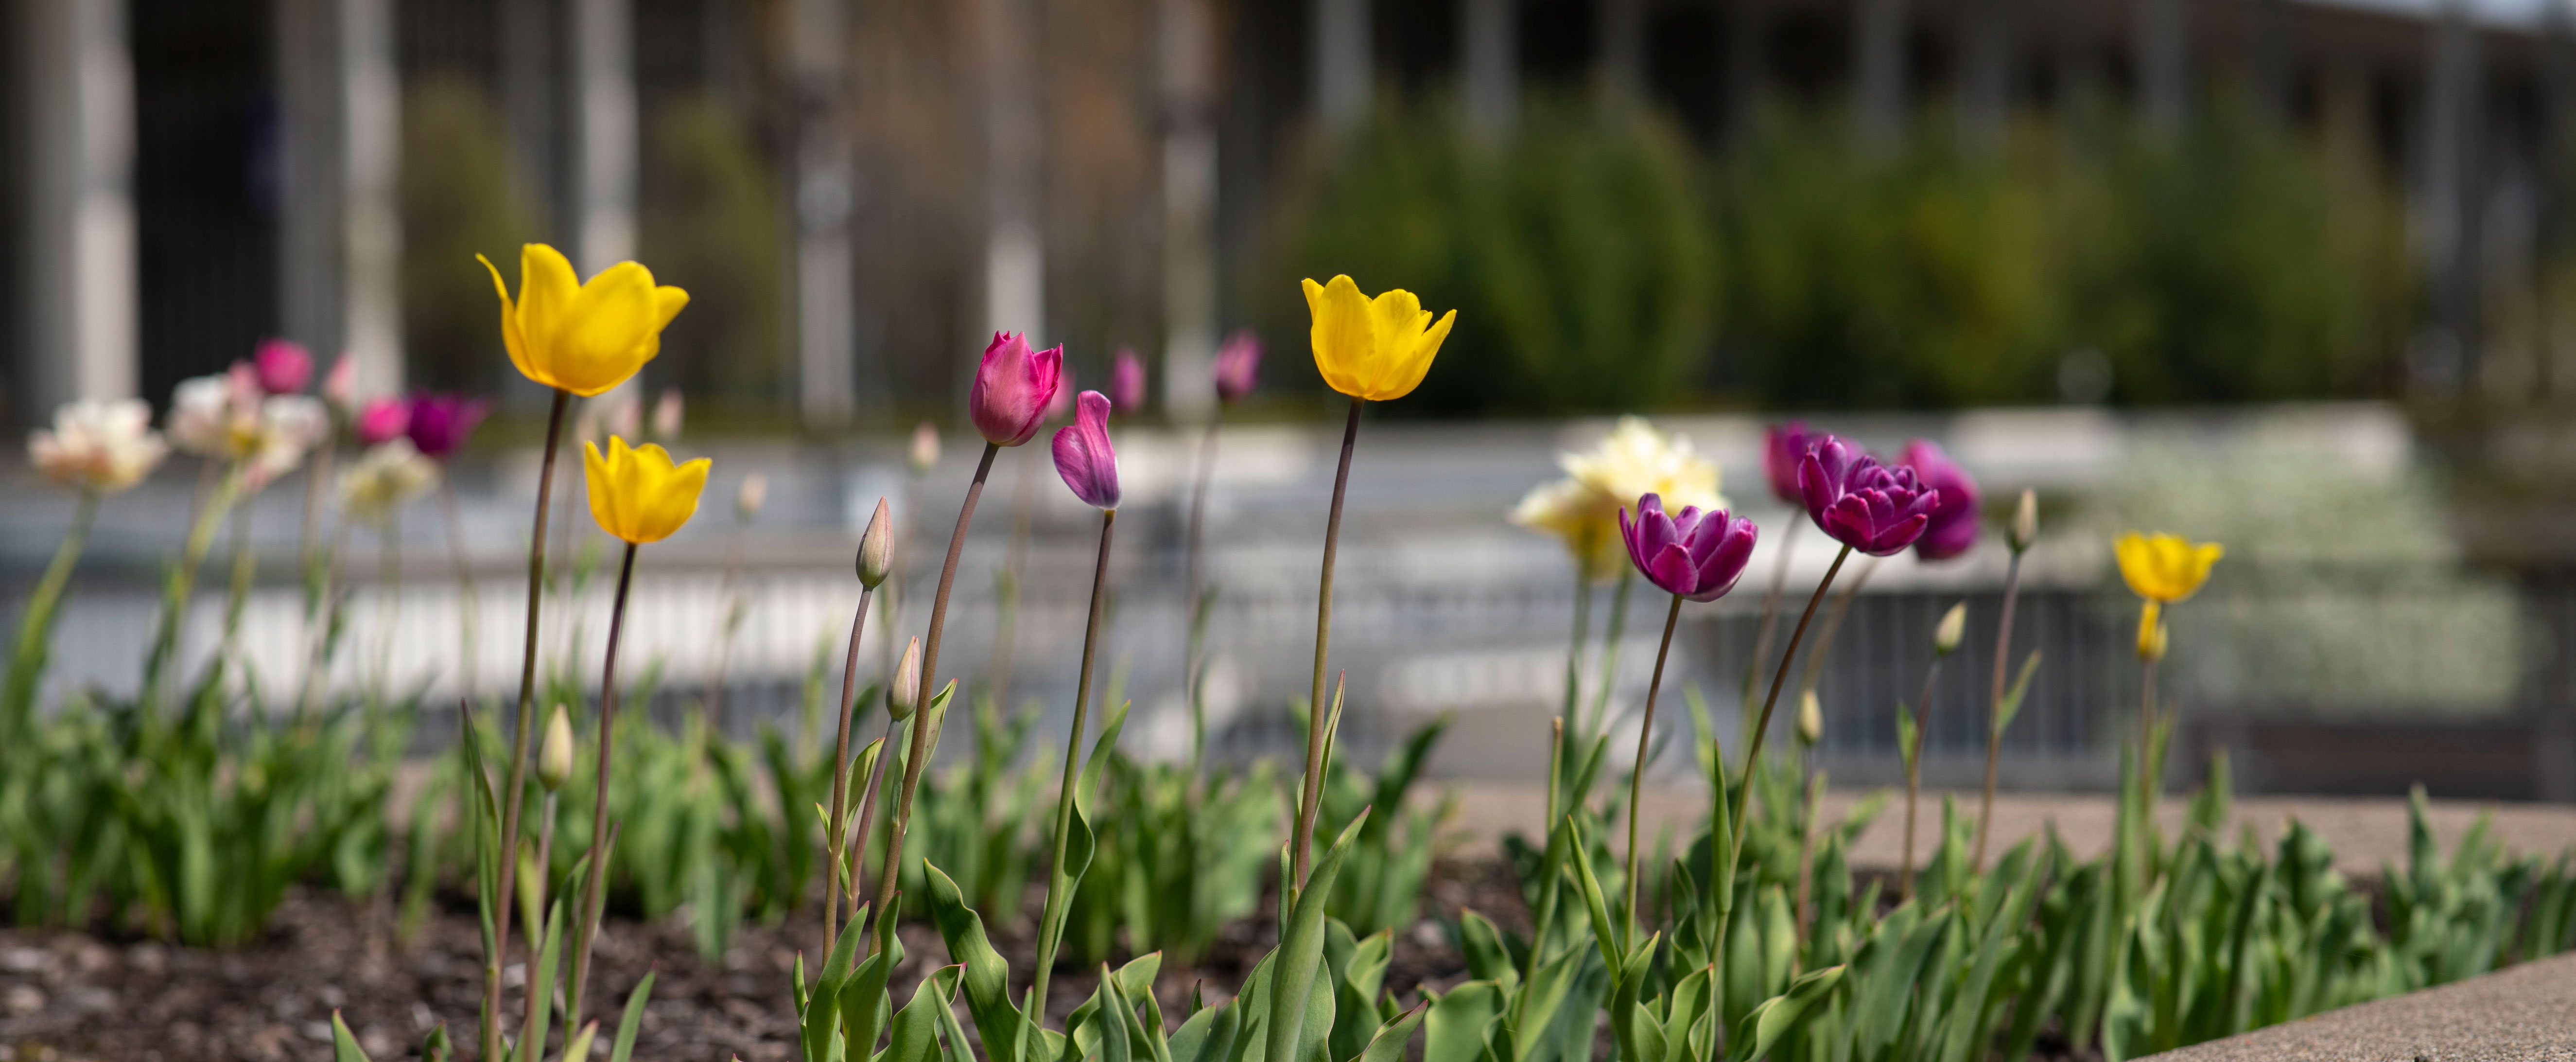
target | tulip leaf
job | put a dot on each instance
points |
(344, 1047)
(2010, 706)
(916, 1028)
(1781, 1014)
(1301, 956)
(579, 1046)
(986, 975)
(1456, 1022)
(1387, 1045)
(632, 1020)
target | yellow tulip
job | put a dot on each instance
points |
(582, 338)
(2165, 568)
(1376, 349)
(639, 495)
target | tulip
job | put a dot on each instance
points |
(1953, 628)
(902, 694)
(283, 366)
(923, 455)
(390, 475)
(340, 386)
(2024, 528)
(284, 430)
(98, 447)
(2165, 569)
(201, 416)
(1127, 383)
(383, 420)
(1784, 447)
(1374, 349)
(2153, 638)
(1952, 527)
(1696, 555)
(583, 338)
(1238, 365)
(875, 554)
(1013, 388)
(748, 500)
(1633, 460)
(554, 754)
(1811, 719)
(439, 424)
(876, 547)
(1876, 509)
(639, 495)
(1084, 457)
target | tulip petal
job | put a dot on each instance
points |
(547, 285)
(511, 335)
(1407, 373)
(609, 330)
(1083, 456)
(1344, 343)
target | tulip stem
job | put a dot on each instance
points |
(858, 846)
(544, 866)
(1311, 791)
(841, 773)
(918, 749)
(36, 626)
(1637, 776)
(1558, 748)
(1610, 642)
(1913, 753)
(181, 583)
(1060, 883)
(585, 921)
(1199, 599)
(1771, 608)
(519, 731)
(470, 599)
(1753, 746)
(1995, 708)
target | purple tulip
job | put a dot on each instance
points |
(1953, 526)
(284, 367)
(1238, 363)
(1013, 388)
(1868, 506)
(1783, 446)
(1698, 555)
(441, 422)
(1083, 455)
(1127, 383)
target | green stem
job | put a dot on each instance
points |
(841, 773)
(1060, 885)
(181, 585)
(389, 573)
(470, 598)
(1913, 754)
(1995, 709)
(1610, 642)
(1573, 685)
(585, 924)
(858, 847)
(1771, 608)
(518, 776)
(918, 749)
(1311, 788)
(36, 625)
(237, 593)
(1637, 776)
(1196, 563)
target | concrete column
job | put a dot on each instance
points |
(826, 332)
(1490, 31)
(2162, 43)
(605, 161)
(371, 210)
(1878, 45)
(81, 297)
(1619, 71)
(1188, 53)
(1345, 72)
(1014, 241)
(1985, 77)
(2451, 206)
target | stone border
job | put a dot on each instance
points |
(2526, 1012)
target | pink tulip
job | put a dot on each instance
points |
(383, 420)
(283, 366)
(1783, 446)
(1127, 383)
(1953, 525)
(1014, 388)
(1084, 457)
(1237, 365)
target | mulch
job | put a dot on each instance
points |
(67, 996)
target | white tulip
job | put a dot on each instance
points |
(99, 446)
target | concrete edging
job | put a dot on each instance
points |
(2520, 1014)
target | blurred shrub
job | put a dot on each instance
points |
(710, 223)
(458, 201)
(1576, 254)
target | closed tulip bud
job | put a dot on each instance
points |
(876, 548)
(2024, 529)
(554, 756)
(2153, 637)
(754, 494)
(1811, 719)
(1954, 625)
(904, 693)
(925, 449)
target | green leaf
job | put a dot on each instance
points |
(1301, 956)
(434, 1047)
(2011, 705)
(1457, 1022)
(986, 975)
(541, 980)
(1388, 1044)
(916, 1029)
(1209, 1035)
(1905, 730)
(579, 1046)
(1482, 944)
(344, 1047)
(627, 1023)
(1780, 1015)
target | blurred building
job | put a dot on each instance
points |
(857, 191)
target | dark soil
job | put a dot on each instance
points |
(67, 996)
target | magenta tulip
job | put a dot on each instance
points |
(440, 423)
(1952, 528)
(1698, 555)
(1013, 388)
(284, 368)
(1783, 446)
(1083, 455)
(383, 420)
(1868, 506)
(1238, 366)
(1127, 383)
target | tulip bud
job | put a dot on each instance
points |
(876, 548)
(1127, 383)
(755, 492)
(283, 366)
(666, 416)
(554, 756)
(2152, 640)
(1811, 719)
(2025, 522)
(340, 385)
(904, 693)
(925, 448)
(1954, 625)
